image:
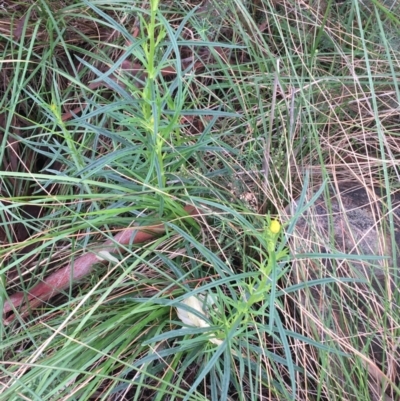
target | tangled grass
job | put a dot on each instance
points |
(122, 113)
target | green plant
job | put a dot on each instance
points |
(122, 113)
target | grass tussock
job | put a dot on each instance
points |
(129, 114)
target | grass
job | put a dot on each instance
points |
(122, 112)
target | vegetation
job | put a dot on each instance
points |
(198, 121)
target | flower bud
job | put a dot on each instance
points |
(275, 227)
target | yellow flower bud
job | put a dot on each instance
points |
(275, 227)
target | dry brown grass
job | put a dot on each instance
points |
(322, 118)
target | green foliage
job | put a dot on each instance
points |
(140, 108)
